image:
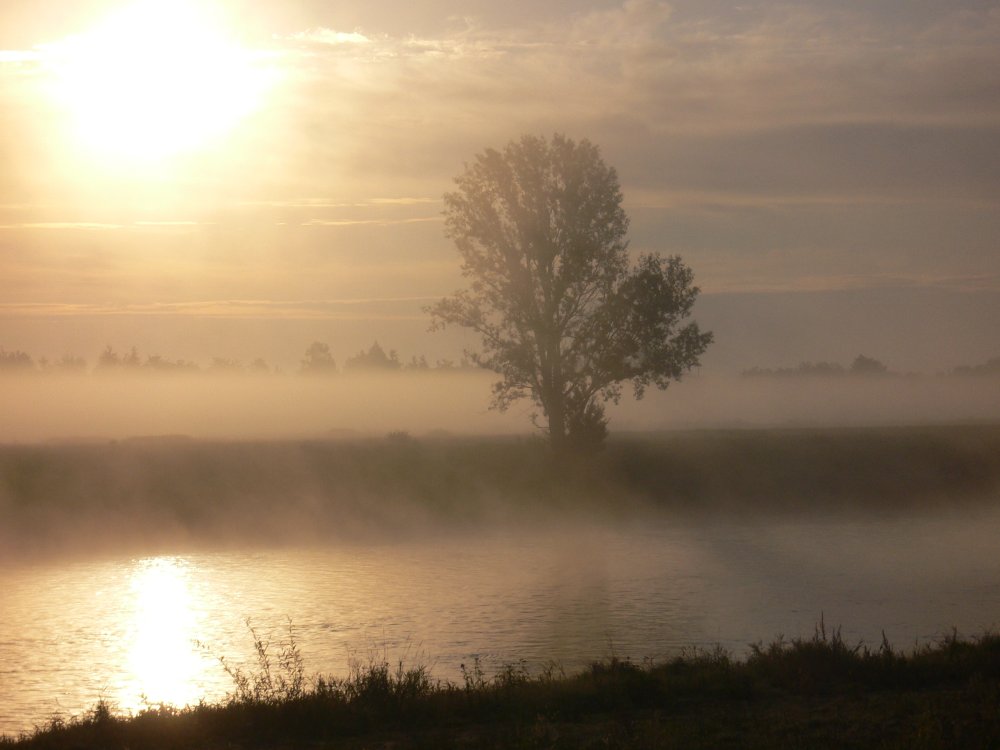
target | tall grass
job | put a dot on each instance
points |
(279, 674)
(822, 690)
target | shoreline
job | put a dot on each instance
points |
(817, 692)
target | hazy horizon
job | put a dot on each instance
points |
(438, 403)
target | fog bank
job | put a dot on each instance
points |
(145, 495)
(212, 406)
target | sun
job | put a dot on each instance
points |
(154, 79)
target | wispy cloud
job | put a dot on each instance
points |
(100, 226)
(369, 222)
(323, 35)
(176, 223)
(332, 203)
(729, 200)
(70, 225)
(403, 201)
(769, 283)
(372, 308)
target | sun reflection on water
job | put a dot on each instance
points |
(163, 661)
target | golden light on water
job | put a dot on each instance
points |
(153, 79)
(163, 663)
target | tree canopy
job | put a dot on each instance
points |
(373, 359)
(565, 315)
(318, 360)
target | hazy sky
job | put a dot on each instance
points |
(242, 178)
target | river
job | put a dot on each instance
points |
(139, 631)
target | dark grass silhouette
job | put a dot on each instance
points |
(818, 692)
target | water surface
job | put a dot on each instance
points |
(145, 630)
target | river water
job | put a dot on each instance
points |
(139, 631)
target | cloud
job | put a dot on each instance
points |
(403, 201)
(723, 200)
(641, 74)
(772, 144)
(331, 203)
(179, 223)
(322, 35)
(371, 308)
(635, 23)
(369, 222)
(768, 283)
(73, 225)
(98, 225)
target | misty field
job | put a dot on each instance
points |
(173, 491)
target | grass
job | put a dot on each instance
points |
(817, 692)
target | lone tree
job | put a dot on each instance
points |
(564, 317)
(318, 360)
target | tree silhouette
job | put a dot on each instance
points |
(417, 363)
(131, 359)
(70, 363)
(318, 360)
(989, 367)
(16, 360)
(157, 363)
(225, 365)
(373, 359)
(259, 366)
(108, 359)
(863, 365)
(564, 317)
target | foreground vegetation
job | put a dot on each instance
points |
(817, 693)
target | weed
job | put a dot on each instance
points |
(473, 675)
(823, 691)
(268, 682)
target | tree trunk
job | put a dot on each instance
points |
(557, 423)
(555, 401)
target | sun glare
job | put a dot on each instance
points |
(162, 663)
(154, 79)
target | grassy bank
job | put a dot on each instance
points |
(151, 491)
(817, 693)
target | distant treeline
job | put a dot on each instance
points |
(317, 360)
(861, 366)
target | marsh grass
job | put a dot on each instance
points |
(817, 692)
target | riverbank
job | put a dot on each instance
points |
(819, 693)
(165, 492)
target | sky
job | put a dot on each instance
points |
(241, 178)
